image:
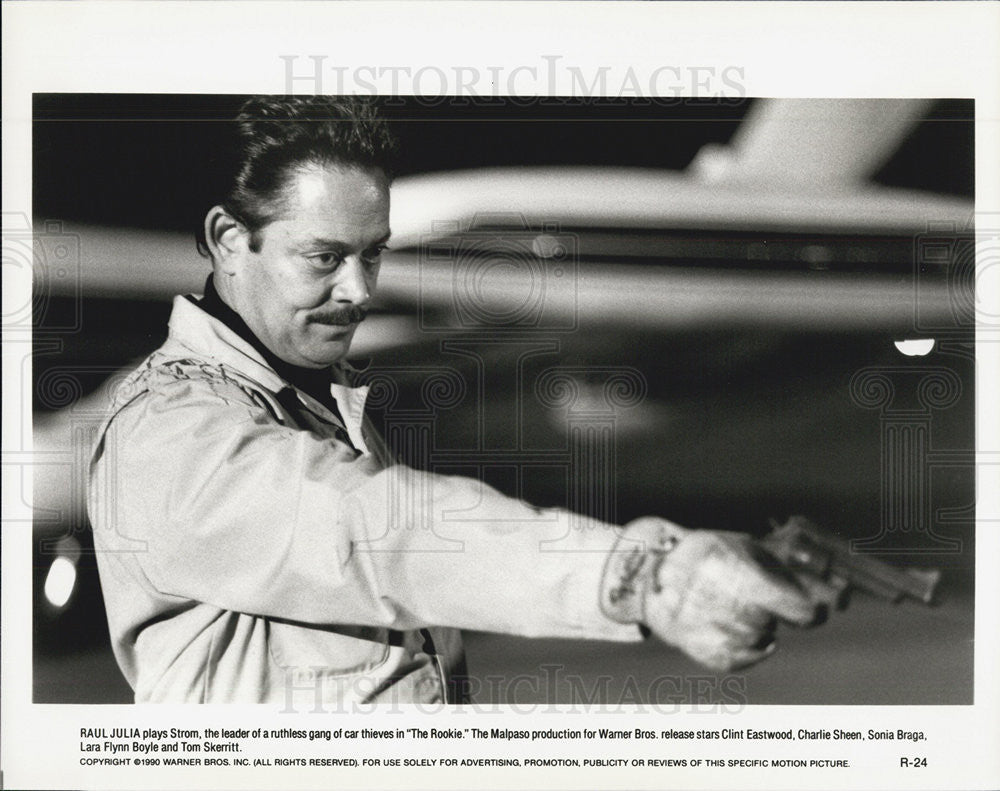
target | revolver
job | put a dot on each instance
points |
(828, 567)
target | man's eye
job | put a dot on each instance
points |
(373, 254)
(325, 260)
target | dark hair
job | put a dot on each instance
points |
(276, 135)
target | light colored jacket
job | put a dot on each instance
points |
(248, 554)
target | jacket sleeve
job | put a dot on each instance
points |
(225, 505)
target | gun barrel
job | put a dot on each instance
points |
(867, 572)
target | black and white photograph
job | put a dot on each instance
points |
(607, 358)
(446, 416)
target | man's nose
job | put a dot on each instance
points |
(352, 283)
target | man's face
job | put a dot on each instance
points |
(305, 291)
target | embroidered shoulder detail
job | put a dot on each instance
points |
(159, 371)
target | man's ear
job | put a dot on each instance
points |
(227, 239)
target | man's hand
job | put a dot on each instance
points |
(715, 595)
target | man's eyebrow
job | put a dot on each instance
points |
(335, 245)
(322, 242)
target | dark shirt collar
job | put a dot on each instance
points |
(312, 381)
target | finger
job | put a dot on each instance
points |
(843, 588)
(831, 594)
(745, 617)
(718, 652)
(756, 633)
(756, 617)
(781, 596)
(738, 631)
(745, 657)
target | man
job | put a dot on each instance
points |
(256, 542)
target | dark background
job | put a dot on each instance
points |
(740, 423)
(157, 161)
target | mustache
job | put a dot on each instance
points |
(349, 314)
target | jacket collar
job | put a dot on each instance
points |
(211, 339)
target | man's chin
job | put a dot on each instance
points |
(326, 353)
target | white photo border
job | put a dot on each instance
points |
(920, 49)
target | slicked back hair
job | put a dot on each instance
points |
(278, 135)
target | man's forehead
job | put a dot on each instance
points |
(314, 185)
(328, 199)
